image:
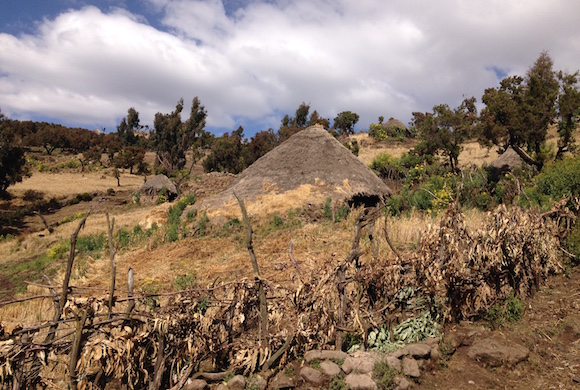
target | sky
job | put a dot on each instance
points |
(84, 63)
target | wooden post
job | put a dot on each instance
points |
(130, 285)
(262, 293)
(76, 347)
(112, 251)
(64, 294)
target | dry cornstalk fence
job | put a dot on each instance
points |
(253, 325)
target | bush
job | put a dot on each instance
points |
(561, 178)
(91, 243)
(384, 375)
(573, 242)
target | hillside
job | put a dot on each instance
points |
(549, 327)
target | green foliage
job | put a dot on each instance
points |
(91, 243)
(151, 287)
(561, 178)
(378, 131)
(172, 138)
(445, 129)
(123, 238)
(277, 221)
(411, 330)
(12, 160)
(384, 375)
(344, 122)
(202, 304)
(315, 364)
(327, 213)
(202, 225)
(509, 311)
(351, 340)
(337, 383)
(183, 282)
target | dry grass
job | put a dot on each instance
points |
(67, 184)
(371, 148)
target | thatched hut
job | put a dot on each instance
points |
(152, 188)
(309, 167)
(507, 161)
(392, 122)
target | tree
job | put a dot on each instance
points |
(445, 129)
(127, 128)
(345, 121)
(130, 157)
(568, 111)
(301, 115)
(316, 119)
(171, 138)
(519, 112)
(12, 160)
(227, 154)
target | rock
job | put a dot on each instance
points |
(360, 382)
(349, 365)
(195, 384)
(259, 383)
(282, 381)
(432, 341)
(394, 363)
(399, 353)
(418, 350)
(311, 375)
(221, 386)
(360, 362)
(436, 354)
(401, 383)
(238, 382)
(330, 368)
(495, 353)
(324, 355)
(411, 368)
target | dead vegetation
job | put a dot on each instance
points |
(457, 273)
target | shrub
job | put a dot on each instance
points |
(384, 375)
(91, 243)
(183, 282)
(561, 178)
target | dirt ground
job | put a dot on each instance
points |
(549, 328)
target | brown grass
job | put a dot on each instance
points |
(70, 183)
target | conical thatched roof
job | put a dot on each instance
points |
(508, 160)
(152, 187)
(312, 160)
(394, 123)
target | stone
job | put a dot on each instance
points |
(394, 363)
(401, 383)
(432, 341)
(349, 365)
(399, 353)
(360, 382)
(436, 353)
(221, 386)
(238, 382)
(330, 368)
(495, 353)
(360, 362)
(324, 355)
(311, 375)
(260, 383)
(282, 381)
(195, 384)
(410, 367)
(418, 350)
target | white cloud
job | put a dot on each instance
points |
(251, 61)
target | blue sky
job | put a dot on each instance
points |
(85, 63)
